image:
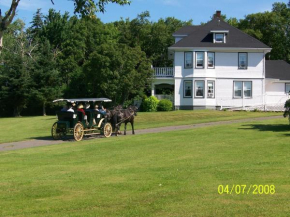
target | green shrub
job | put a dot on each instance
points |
(127, 103)
(164, 105)
(287, 110)
(150, 104)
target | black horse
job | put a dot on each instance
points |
(120, 115)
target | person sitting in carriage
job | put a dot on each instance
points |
(70, 108)
(64, 109)
(81, 109)
(87, 106)
(100, 108)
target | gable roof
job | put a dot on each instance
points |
(277, 69)
(200, 36)
(185, 30)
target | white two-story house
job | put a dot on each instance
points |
(218, 66)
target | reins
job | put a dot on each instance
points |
(125, 119)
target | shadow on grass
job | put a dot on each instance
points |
(268, 127)
(68, 138)
(50, 118)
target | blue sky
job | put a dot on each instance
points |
(197, 10)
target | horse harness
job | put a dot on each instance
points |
(125, 119)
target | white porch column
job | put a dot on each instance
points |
(152, 89)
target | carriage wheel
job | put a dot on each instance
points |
(107, 130)
(78, 132)
(55, 135)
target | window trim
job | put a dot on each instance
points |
(213, 67)
(243, 95)
(239, 67)
(184, 81)
(199, 97)
(285, 88)
(191, 60)
(213, 81)
(198, 67)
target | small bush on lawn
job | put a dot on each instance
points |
(164, 105)
(150, 104)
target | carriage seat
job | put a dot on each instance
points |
(68, 117)
(65, 116)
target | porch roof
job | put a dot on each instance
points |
(277, 69)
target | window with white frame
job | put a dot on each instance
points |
(242, 89)
(219, 38)
(199, 89)
(188, 60)
(210, 59)
(187, 89)
(210, 89)
(199, 56)
(243, 60)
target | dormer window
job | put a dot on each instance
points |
(219, 36)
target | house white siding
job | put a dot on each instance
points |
(225, 93)
(275, 92)
(224, 74)
(227, 66)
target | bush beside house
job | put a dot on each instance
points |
(164, 105)
(150, 104)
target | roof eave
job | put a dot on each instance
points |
(179, 35)
(266, 50)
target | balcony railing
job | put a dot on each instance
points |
(163, 72)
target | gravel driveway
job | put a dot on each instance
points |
(50, 141)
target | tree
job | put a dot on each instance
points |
(46, 80)
(83, 7)
(15, 75)
(153, 37)
(90, 7)
(272, 28)
(117, 71)
(6, 20)
(36, 24)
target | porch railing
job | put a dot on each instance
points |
(163, 72)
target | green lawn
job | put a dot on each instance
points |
(25, 128)
(166, 174)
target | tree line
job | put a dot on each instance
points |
(63, 56)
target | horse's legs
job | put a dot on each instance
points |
(132, 124)
(125, 128)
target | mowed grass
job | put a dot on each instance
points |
(25, 128)
(166, 174)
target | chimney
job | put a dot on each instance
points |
(218, 14)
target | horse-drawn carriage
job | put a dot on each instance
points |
(89, 122)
